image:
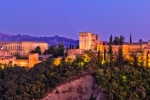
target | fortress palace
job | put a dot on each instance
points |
(91, 41)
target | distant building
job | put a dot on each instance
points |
(9, 49)
(6, 58)
(22, 48)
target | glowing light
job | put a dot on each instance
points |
(81, 64)
(102, 62)
(124, 78)
(86, 58)
(22, 63)
(57, 61)
(2, 67)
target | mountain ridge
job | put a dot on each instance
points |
(54, 40)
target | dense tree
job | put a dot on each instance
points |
(140, 40)
(56, 51)
(92, 56)
(52, 50)
(120, 59)
(98, 54)
(135, 60)
(116, 40)
(122, 38)
(130, 83)
(37, 50)
(147, 59)
(60, 50)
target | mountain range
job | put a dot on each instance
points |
(55, 40)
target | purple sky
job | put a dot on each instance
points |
(68, 17)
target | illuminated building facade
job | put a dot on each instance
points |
(9, 49)
(91, 41)
(6, 58)
(88, 41)
(22, 48)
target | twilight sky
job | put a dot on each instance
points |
(68, 17)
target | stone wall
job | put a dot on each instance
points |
(22, 62)
(73, 52)
(79, 89)
(30, 62)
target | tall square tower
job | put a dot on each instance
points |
(85, 40)
(88, 41)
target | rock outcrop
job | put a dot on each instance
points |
(83, 88)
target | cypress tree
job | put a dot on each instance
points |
(38, 50)
(147, 58)
(110, 52)
(98, 54)
(130, 38)
(135, 63)
(104, 54)
(110, 40)
(120, 58)
(64, 57)
(121, 40)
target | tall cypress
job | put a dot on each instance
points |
(147, 58)
(130, 38)
(110, 52)
(104, 54)
(120, 58)
(135, 63)
(98, 54)
(110, 40)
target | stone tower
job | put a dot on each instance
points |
(33, 59)
(88, 41)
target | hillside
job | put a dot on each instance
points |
(55, 40)
(82, 88)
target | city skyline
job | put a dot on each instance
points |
(68, 18)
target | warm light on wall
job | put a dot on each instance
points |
(57, 61)
(22, 63)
